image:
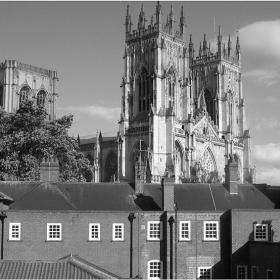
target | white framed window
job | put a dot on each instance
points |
(94, 232)
(269, 274)
(154, 230)
(14, 231)
(54, 231)
(242, 272)
(261, 232)
(118, 232)
(185, 230)
(204, 272)
(211, 230)
(154, 269)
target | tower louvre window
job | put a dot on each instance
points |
(144, 89)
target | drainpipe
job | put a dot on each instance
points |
(3, 216)
(176, 236)
(131, 217)
(171, 222)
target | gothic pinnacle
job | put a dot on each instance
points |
(158, 8)
(127, 11)
(237, 43)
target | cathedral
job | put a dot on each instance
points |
(182, 115)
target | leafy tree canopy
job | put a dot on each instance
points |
(27, 137)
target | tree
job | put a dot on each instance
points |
(27, 137)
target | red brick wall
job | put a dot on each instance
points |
(265, 256)
(243, 231)
(115, 256)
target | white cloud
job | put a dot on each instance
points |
(95, 111)
(268, 175)
(264, 76)
(262, 37)
(267, 154)
(265, 123)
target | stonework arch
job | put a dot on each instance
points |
(208, 159)
(24, 93)
(111, 167)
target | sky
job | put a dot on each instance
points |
(84, 42)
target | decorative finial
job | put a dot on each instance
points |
(237, 43)
(158, 8)
(200, 50)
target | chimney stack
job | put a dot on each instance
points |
(167, 194)
(232, 175)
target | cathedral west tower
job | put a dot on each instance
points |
(181, 115)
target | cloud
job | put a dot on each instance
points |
(268, 175)
(95, 111)
(262, 37)
(264, 76)
(267, 154)
(268, 163)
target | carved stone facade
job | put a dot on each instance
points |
(102, 152)
(20, 81)
(188, 111)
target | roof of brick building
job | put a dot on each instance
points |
(121, 197)
(69, 196)
(70, 267)
(207, 197)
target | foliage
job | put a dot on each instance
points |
(27, 137)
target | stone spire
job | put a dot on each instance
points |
(171, 17)
(152, 20)
(200, 50)
(128, 22)
(182, 21)
(219, 43)
(158, 13)
(229, 45)
(191, 50)
(204, 45)
(142, 19)
(238, 52)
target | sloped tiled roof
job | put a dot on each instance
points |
(209, 197)
(68, 268)
(69, 196)
(121, 197)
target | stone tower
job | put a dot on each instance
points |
(20, 81)
(181, 116)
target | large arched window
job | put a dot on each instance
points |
(144, 91)
(41, 97)
(24, 94)
(210, 105)
(1, 97)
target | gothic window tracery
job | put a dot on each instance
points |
(144, 91)
(24, 94)
(207, 161)
(210, 105)
(41, 97)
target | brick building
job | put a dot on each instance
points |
(212, 232)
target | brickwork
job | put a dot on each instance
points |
(242, 228)
(265, 256)
(179, 258)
